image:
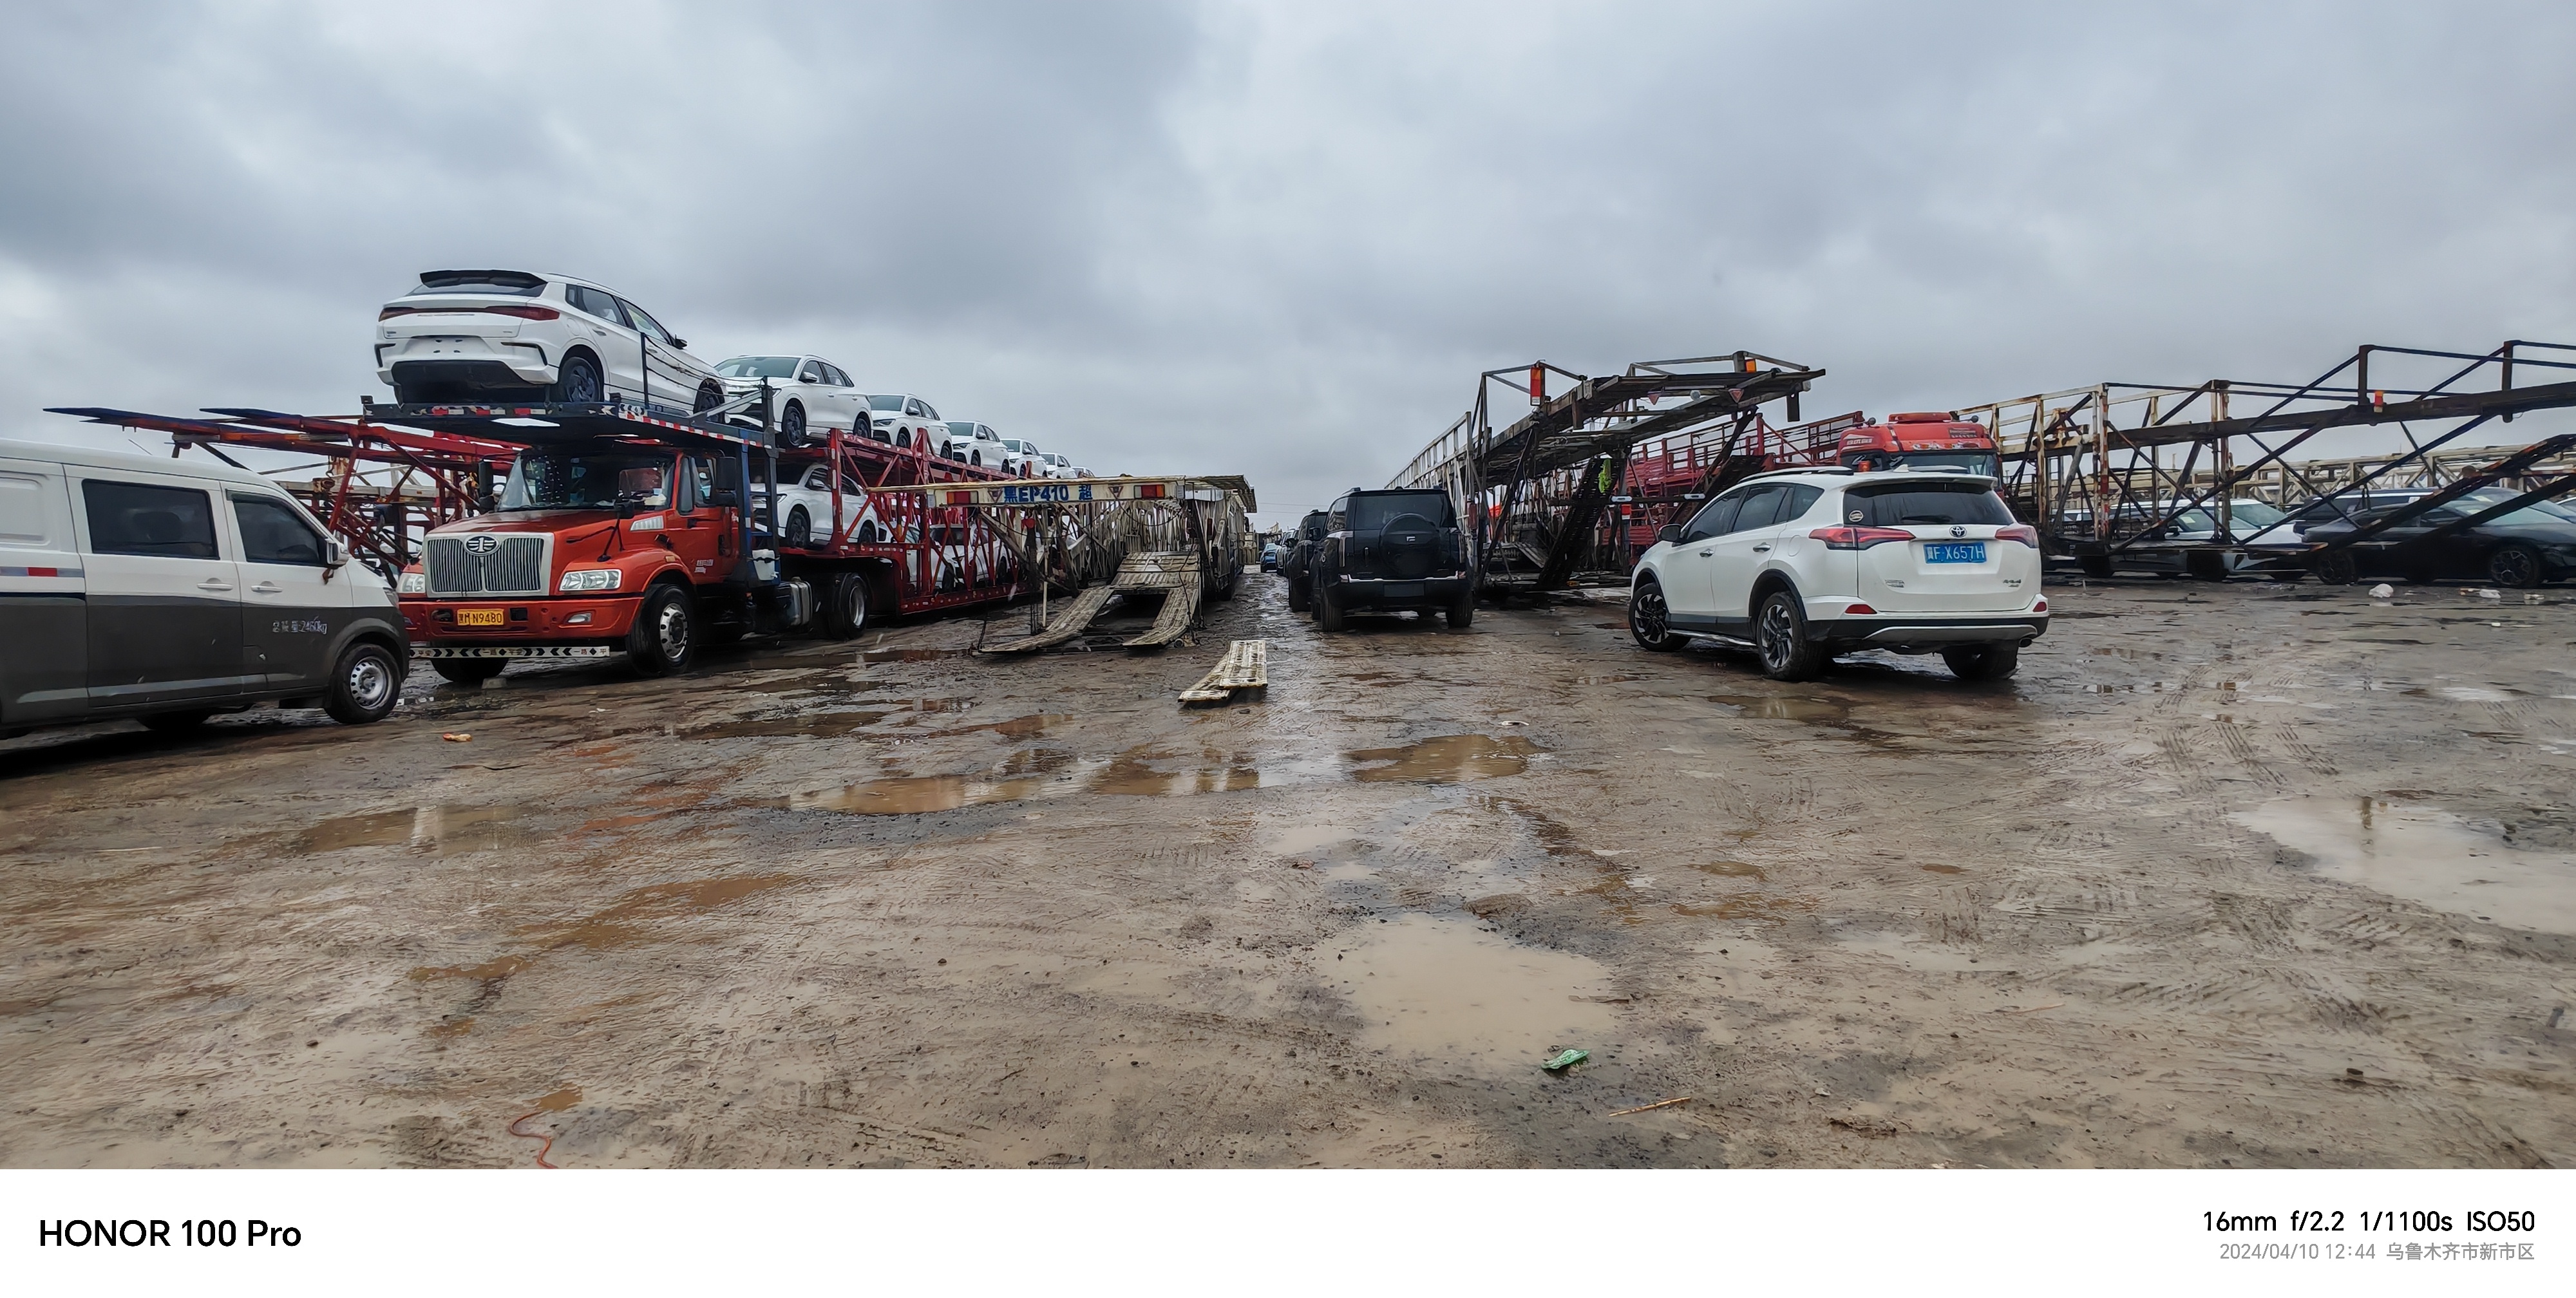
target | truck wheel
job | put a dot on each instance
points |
(468, 671)
(1650, 619)
(364, 686)
(1301, 597)
(845, 613)
(1983, 662)
(800, 528)
(665, 638)
(172, 723)
(1780, 632)
(1463, 613)
(1328, 611)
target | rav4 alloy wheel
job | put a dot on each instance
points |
(1650, 619)
(364, 686)
(2514, 564)
(1780, 632)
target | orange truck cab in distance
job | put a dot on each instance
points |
(593, 549)
(1921, 440)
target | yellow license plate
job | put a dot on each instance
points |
(480, 616)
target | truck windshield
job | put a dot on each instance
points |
(576, 480)
(1962, 461)
(1371, 513)
(758, 367)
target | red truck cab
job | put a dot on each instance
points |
(1923, 440)
(589, 550)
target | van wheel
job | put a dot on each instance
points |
(665, 638)
(173, 723)
(1780, 632)
(364, 686)
(577, 380)
(1328, 611)
(1650, 619)
(467, 671)
(800, 528)
(1983, 662)
(791, 425)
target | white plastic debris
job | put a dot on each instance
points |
(2490, 593)
(2382, 591)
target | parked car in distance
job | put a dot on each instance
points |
(2290, 534)
(499, 336)
(1021, 457)
(809, 397)
(167, 591)
(905, 420)
(1057, 465)
(1296, 559)
(1389, 550)
(805, 502)
(1270, 557)
(1808, 564)
(2523, 548)
(972, 443)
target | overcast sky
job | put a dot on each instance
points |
(1283, 240)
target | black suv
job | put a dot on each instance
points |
(1298, 562)
(1391, 550)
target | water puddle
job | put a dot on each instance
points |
(1448, 759)
(445, 830)
(1768, 707)
(1447, 988)
(1130, 774)
(908, 795)
(1731, 870)
(1029, 727)
(909, 655)
(1945, 869)
(622, 923)
(815, 725)
(2427, 855)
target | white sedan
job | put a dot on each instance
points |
(972, 443)
(498, 336)
(806, 504)
(809, 396)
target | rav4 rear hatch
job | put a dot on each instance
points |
(1938, 545)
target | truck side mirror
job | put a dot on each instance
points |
(1669, 533)
(335, 553)
(725, 498)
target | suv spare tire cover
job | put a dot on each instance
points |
(1409, 547)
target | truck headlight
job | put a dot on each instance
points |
(413, 583)
(581, 579)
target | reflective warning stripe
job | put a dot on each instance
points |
(39, 572)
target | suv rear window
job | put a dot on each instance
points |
(1371, 513)
(1897, 504)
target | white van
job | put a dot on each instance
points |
(168, 591)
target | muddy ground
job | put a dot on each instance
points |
(2242, 875)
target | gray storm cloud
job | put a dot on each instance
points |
(1281, 240)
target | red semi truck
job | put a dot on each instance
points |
(625, 533)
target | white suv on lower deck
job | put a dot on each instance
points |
(1812, 563)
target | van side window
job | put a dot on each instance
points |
(131, 518)
(271, 533)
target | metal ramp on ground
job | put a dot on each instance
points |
(1175, 577)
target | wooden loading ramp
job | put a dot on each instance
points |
(1175, 577)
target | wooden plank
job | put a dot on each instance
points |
(1246, 666)
(1077, 614)
(1180, 608)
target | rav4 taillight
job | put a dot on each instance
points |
(2022, 532)
(1859, 538)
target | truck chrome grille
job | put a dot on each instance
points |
(516, 567)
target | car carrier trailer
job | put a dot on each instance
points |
(677, 556)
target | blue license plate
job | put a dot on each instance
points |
(1954, 552)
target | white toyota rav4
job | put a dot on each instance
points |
(1808, 564)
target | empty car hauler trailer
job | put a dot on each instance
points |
(614, 529)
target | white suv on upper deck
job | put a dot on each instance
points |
(1808, 564)
(506, 336)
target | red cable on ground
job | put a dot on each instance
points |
(530, 1135)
